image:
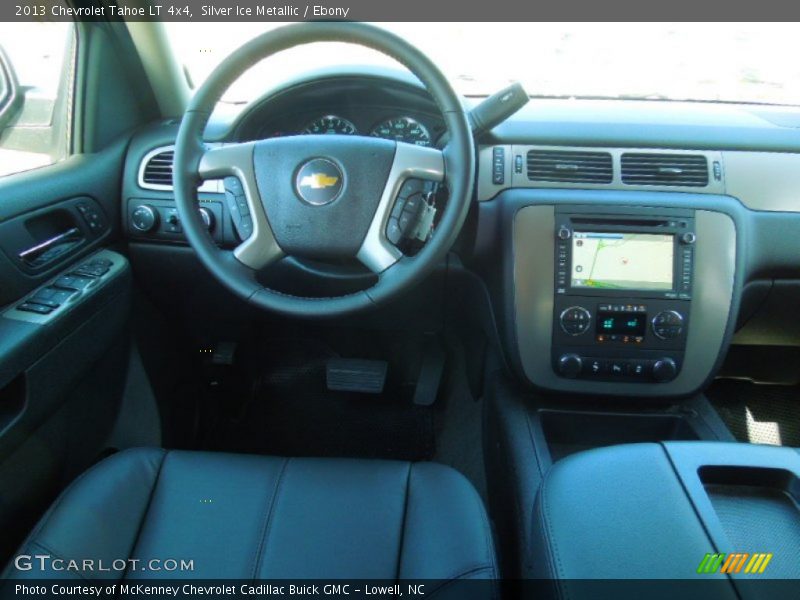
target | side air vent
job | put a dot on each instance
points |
(689, 170)
(569, 166)
(157, 170)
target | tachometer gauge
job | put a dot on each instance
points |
(403, 129)
(331, 124)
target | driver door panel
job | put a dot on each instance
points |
(61, 374)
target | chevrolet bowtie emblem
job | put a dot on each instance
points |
(318, 181)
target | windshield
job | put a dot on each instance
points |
(726, 62)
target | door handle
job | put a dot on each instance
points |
(52, 248)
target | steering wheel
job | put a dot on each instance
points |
(318, 196)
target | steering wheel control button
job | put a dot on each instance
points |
(575, 320)
(393, 232)
(405, 215)
(234, 186)
(319, 182)
(668, 325)
(237, 206)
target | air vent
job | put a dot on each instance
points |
(689, 170)
(569, 166)
(158, 168)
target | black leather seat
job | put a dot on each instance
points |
(256, 517)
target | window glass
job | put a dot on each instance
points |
(717, 62)
(35, 94)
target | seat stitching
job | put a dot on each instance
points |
(267, 525)
(403, 523)
(146, 509)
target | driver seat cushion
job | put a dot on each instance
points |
(258, 517)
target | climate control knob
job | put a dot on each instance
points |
(668, 324)
(144, 218)
(664, 369)
(575, 320)
(570, 365)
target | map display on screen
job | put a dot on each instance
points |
(622, 261)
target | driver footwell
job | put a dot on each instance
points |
(275, 400)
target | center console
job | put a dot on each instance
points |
(722, 512)
(622, 293)
(621, 299)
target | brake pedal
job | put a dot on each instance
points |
(356, 375)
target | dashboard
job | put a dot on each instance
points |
(695, 208)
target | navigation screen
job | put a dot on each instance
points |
(622, 261)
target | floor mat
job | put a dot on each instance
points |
(760, 414)
(289, 411)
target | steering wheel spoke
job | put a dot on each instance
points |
(259, 247)
(377, 252)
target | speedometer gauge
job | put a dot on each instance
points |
(403, 129)
(330, 124)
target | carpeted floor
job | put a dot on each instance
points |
(760, 414)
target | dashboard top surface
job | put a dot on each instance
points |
(555, 121)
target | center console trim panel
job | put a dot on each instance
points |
(532, 256)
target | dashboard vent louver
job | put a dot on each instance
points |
(158, 169)
(689, 170)
(570, 166)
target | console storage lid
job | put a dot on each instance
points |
(653, 511)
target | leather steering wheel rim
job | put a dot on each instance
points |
(194, 162)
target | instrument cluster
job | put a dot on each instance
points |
(399, 128)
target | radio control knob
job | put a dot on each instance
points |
(575, 320)
(144, 218)
(570, 365)
(664, 369)
(689, 238)
(668, 324)
(564, 233)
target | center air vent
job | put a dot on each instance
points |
(665, 169)
(569, 166)
(157, 169)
